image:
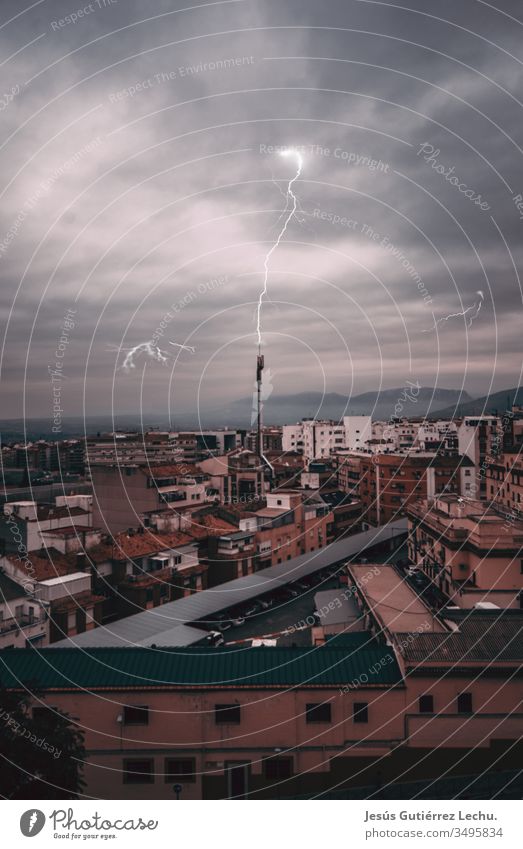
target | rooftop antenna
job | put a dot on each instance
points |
(260, 365)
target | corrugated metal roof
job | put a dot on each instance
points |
(154, 623)
(139, 668)
(175, 637)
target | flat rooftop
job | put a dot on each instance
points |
(394, 603)
(335, 608)
(64, 579)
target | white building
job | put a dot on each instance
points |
(24, 523)
(317, 440)
(23, 619)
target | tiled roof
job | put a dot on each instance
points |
(49, 511)
(477, 642)
(148, 542)
(50, 564)
(172, 470)
(210, 526)
(140, 668)
(73, 602)
(69, 530)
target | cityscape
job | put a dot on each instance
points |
(361, 578)
(261, 439)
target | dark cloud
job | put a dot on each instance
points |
(136, 173)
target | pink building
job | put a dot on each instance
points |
(281, 722)
(469, 549)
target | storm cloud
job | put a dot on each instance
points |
(142, 188)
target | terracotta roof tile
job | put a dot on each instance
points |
(50, 564)
(148, 542)
(172, 470)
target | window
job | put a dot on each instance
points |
(227, 714)
(44, 712)
(136, 715)
(426, 704)
(318, 712)
(360, 712)
(180, 769)
(465, 703)
(276, 769)
(138, 771)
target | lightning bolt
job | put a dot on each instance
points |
(475, 309)
(183, 347)
(32, 820)
(290, 214)
(150, 350)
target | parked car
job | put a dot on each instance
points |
(265, 603)
(225, 624)
(215, 638)
(284, 595)
(252, 610)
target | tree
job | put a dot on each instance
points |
(41, 750)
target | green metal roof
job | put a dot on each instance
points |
(138, 668)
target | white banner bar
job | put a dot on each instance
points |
(162, 824)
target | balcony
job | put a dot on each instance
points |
(21, 622)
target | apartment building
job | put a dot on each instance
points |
(63, 584)
(125, 491)
(23, 617)
(479, 438)
(150, 568)
(469, 550)
(194, 446)
(390, 482)
(504, 482)
(23, 524)
(289, 525)
(272, 440)
(230, 555)
(317, 440)
(235, 478)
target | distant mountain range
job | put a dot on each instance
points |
(287, 409)
(278, 409)
(497, 402)
(282, 409)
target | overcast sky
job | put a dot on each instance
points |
(138, 184)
